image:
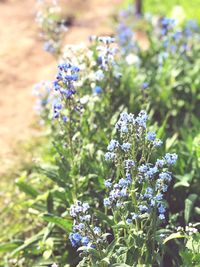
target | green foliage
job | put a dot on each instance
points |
(70, 162)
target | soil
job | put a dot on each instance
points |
(24, 63)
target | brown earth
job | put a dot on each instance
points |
(24, 63)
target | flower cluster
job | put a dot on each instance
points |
(175, 40)
(84, 234)
(149, 180)
(125, 38)
(125, 33)
(64, 85)
(52, 26)
(127, 125)
(106, 52)
(105, 63)
(167, 24)
(118, 193)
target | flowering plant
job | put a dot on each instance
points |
(134, 206)
(51, 24)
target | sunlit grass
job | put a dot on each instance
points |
(190, 8)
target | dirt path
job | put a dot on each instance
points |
(24, 63)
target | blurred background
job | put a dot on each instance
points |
(24, 63)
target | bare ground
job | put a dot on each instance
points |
(24, 63)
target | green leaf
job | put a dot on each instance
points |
(170, 141)
(193, 243)
(186, 257)
(186, 177)
(173, 236)
(7, 247)
(105, 218)
(162, 128)
(120, 225)
(65, 224)
(27, 188)
(197, 210)
(182, 183)
(120, 265)
(106, 260)
(50, 203)
(51, 173)
(189, 204)
(47, 254)
(29, 242)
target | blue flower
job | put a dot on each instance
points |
(123, 192)
(157, 143)
(159, 197)
(134, 216)
(161, 186)
(75, 238)
(129, 163)
(85, 240)
(152, 202)
(108, 183)
(143, 208)
(97, 90)
(75, 69)
(80, 226)
(161, 208)
(143, 168)
(85, 207)
(151, 136)
(129, 221)
(151, 172)
(124, 182)
(65, 118)
(171, 158)
(161, 216)
(106, 39)
(97, 230)
(160, 163)
(126, 146)
(106, 202)
(85, 218)
(142, 119)
(50, 47)
(99, 75)
(57, 105)
(79, 208)
(165, 176)
(148, 193)
(113, 144)
(109, 156)
(124, 129)
(124, 116)
(145, 85)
